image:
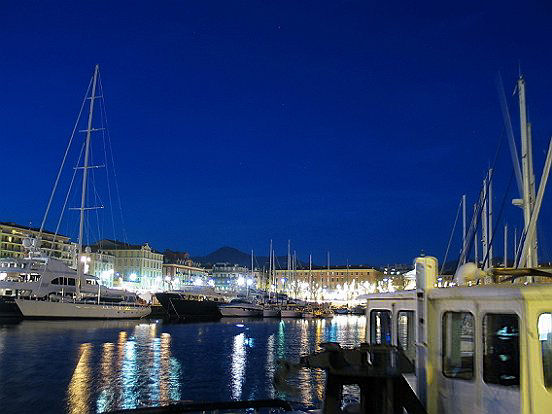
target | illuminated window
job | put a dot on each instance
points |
(501, 349)
(545, 338)
(406, 336)
(380, 327)
(458, 345)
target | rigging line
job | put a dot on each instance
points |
(67, 195)
(107, 167)
(506, 194)
(509, 131)
(451, 236)
(125, 238)
(96, 198)
(63, 161)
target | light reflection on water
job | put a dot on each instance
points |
(81, 367)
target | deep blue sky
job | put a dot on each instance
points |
(347, 126)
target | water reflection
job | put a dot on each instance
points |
(101, 366)
(78, 392)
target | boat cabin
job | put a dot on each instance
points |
(477, 349)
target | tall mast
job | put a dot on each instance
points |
(476, 242)
(310, 276)
(490, 221)
(484, 225)
(526, 161)
(464, 226)
(269, 276)
(80, 265)
(506, 245)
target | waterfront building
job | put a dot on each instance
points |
(336, 283)
(100, 263)
(57, 246)
(226, 276)
(136, 266)
(177, 276)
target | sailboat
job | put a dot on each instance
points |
(81, 306)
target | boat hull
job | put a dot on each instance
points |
(38, 309)
(176, 305)
(271, 313)
(240, 311)
(285, 313)
(307, 315)
(9, 309)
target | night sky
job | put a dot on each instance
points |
(348, 126)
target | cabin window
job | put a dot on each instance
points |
(55, 281)
(406, 334)
(458, 345)
(71, 282)
(380, 327)
(545, 338)
(501, 349)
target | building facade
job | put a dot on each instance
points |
(177, 276)
(136, 267)
(231, 277)
(100, 263)
(57, 246)
(340, 284)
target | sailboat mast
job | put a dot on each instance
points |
(490, 220)
(310, 276)
(525, 167)
(80, 265)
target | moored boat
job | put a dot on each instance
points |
(192, 304)
(240, 307)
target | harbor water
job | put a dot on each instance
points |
(98, 366)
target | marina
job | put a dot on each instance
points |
(250, 208)
(129, 364)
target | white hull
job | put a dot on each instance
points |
(271, 313)
(290, 313)
(69, 310)
(240, 311)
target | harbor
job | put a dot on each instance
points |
(275, 208)
(101, 366)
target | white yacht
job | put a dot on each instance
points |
(45, 278)
(67, 293)
(241, 307)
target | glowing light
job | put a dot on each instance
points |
(241, 281)
(211, 283)
(198, 281)
(3, 275)
(249, 282)
(133, 277)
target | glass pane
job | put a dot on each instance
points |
(501, 349)
(545, 338)
(458, 345)
(406, 334)
(380, 327)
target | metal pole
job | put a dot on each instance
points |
(310, 276)
(80, 266)
(490, 222)
(484, 225)
(506, 245)
(532, 191)
(464, 225)
(476, 241)
(527, 244)
(526, 174)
